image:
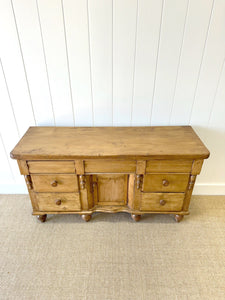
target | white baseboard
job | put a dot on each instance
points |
(199, 189)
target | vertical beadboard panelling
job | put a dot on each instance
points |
(148, 30)
(193, 46)
(76, 24)
(31, 43)
(173, 22)
(124, 39)
(214, 136)
(14, 68)
(100, 27)
(213, 60)
(8, 126)
(96, 62)
(217, 118)
(52, 26)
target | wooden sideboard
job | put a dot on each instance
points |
(82, 170)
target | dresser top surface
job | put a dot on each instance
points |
(109, 142)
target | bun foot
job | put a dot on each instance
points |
(42, 218)
(178, 218)
(86, 218)
(136, 218)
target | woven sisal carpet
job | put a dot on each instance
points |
(111, 257)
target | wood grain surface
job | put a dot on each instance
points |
(66, 201)
(165, 182)
(55, 183)
(161, 201)
(96, 142)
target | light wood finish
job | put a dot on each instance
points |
(131, 191)
(137, 170)
(111, 189)
(28, 182)
(79, 164)
(162, 201)
(168, 166)
(82, 182)
(196, 166)
(141, 167)
(23, 167)
(111, 210)
(189, 191)
(55, 183)
(50, 167)
(58, 201)
(107, 142)
(139, 181)
(109, 166)
(165, 182)
(85, 192)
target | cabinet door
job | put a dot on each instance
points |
(110, 189)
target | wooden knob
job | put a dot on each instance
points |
(58, 202)
(162, 202)
(165, 182)
(54, 183)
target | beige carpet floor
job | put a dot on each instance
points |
(112, 257)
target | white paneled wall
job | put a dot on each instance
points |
(113, 63)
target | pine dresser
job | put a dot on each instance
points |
(138, 170)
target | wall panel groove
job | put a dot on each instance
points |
(202, 57)
(56, 58)
(67, 61)
(21, 52)
(156, 62)
(134, 70)
(14, 69)
(89, 52)
(123, 63)
(173, 23)
(211, 66)
(193, 44)
(45, 62)
(10, 100)
(179, 61)
(216, 92)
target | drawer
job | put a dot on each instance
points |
(55, 183)
(165, 182)
(109, 166)
(58, 201)
(51, 166)
(169, 166)
(162, 201)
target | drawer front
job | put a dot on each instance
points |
(55, 183)
(49, 167)
(109, 166)
(168, 166)
(162, 201)
(165, 182)
(58, 201)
